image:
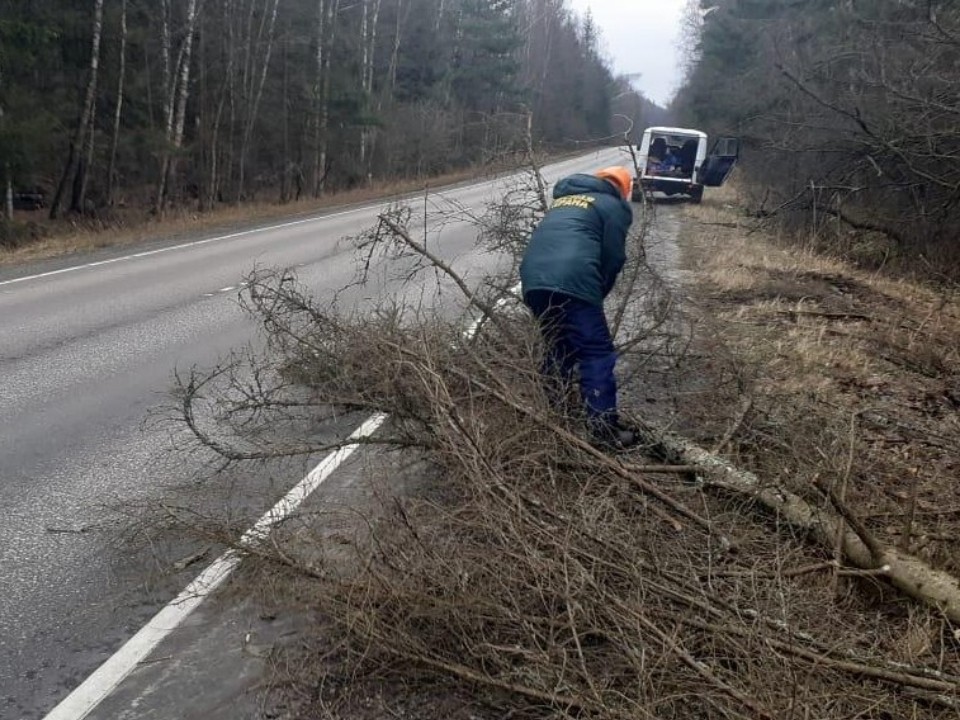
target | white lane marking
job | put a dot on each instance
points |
(475, 325)
(79, 703)
(193, 243)
(197, 243)
(105, 679)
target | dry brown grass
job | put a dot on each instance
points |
(855, 376)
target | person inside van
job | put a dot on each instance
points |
(670, 164)
(688, 156)
(658, 151)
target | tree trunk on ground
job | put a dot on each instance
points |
(111, 167)
(77, 143)
(906, 572)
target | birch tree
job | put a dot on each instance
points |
(849, 111)
(368, 88)
(368, 35)
(320, 40)
(215, 152)
(118, 110)
(177, 95)
(391, 84)
(265, 39)
(329, 24)
(73, 167)
(7, 170)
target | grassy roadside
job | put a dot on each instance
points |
(853, 378)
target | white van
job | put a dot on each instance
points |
(674, 161)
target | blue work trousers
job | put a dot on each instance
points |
(576, 335)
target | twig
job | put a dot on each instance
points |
(634, 468)
(794, 572)
(804, 570)
(745, 408)
(488, 311)
(855, 523)
(828, 315)
(859, 668)
(465, 673)
(703, 670)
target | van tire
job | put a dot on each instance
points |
(696, 197)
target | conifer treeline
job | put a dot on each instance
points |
(153, 102)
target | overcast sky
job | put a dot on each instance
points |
(641, 36)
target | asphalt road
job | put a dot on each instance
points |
(86, 351)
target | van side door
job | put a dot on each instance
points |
(720, 162)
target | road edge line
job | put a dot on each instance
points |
(105, 679)
(337, 211)
(115, 669)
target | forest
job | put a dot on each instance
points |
(850, 115)
(151, 104)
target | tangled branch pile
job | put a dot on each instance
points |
(540, 574)
(534, 573)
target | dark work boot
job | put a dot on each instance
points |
(613, 435)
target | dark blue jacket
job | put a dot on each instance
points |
(579, 247)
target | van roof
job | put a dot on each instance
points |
(675, 131)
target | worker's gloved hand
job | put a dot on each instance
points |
(614, 435)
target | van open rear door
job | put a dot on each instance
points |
(721, 160)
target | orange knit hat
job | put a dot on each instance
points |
(619, 176)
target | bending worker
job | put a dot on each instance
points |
(570, 265)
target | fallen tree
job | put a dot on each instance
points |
(859, 547)
(547, 577)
